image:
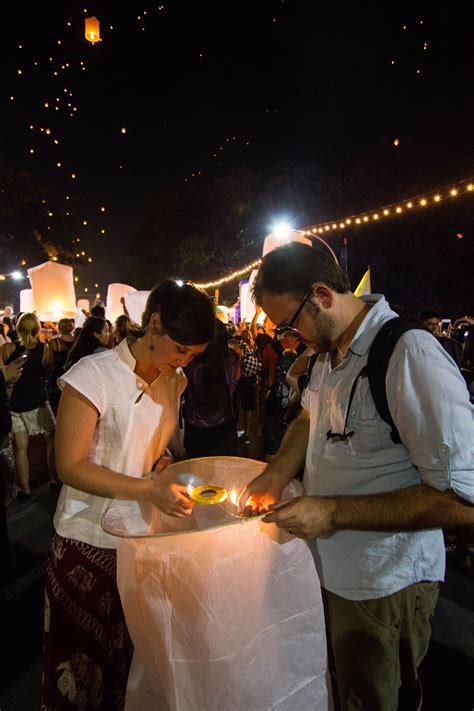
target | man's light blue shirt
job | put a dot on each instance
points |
(430, 406)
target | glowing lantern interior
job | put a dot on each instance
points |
(92, 29)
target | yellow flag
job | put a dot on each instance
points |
(364, 285)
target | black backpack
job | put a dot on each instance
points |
(376, 370)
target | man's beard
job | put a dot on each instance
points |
(323, 329)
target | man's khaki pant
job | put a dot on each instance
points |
(376, 646)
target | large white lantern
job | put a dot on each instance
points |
(225, 613)
(115, 294)
(54, 296)
(27, 304)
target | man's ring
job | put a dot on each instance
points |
(290, 531)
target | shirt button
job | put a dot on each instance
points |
(443, 448)
(321, 434)
(328, 402)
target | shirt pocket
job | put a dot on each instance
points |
(371, 433)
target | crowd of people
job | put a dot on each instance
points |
(122, 400)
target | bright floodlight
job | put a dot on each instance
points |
(179, 282)
(282, 230)
(17, 275)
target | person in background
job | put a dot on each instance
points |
(277, 404)
(98, 311)
(451, 346)
(5, 428)
(209, 420)
(59, 346)
(250, 369)
(121, 328)
(93, 338)
(31, 411)
(117, 415)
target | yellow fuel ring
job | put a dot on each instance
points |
(208, 494)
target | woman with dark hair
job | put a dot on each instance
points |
(209, 420)
(117, 414)
(93, 338)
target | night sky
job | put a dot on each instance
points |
(181, 92)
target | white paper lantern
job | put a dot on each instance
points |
(54, 296)
(27, 304)
(222, 313)
(83, 304)
(274, 241)
(115, 294)
(243, 293)
(135, 304)
(224, 613)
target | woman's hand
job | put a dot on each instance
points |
(170, 497)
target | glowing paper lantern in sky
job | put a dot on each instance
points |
(53, 291)
(27, 304)
(92, 29)
(115, 294)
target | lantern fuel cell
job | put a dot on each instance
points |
(208, 494)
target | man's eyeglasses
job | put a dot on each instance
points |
(289, 327)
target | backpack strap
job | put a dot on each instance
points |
(377, 364)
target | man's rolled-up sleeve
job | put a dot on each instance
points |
(430, 406)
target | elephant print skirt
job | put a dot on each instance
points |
(87, 648)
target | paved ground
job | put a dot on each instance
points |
(447, 672)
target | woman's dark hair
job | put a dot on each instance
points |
(294, 268)
(98, 311)
(187, 313)
(207, 374)
(86, 342)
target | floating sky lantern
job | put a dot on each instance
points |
(52, 285)
(92, 29)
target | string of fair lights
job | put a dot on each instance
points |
(395, 209)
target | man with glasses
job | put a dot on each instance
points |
(373, 509)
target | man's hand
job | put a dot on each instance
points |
(263, 491)
(305, 516)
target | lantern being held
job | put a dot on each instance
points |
(115, 294)
(27, 303)
(92, 29)
(224, 611)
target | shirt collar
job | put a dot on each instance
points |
(125, 354)
(377, 315)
